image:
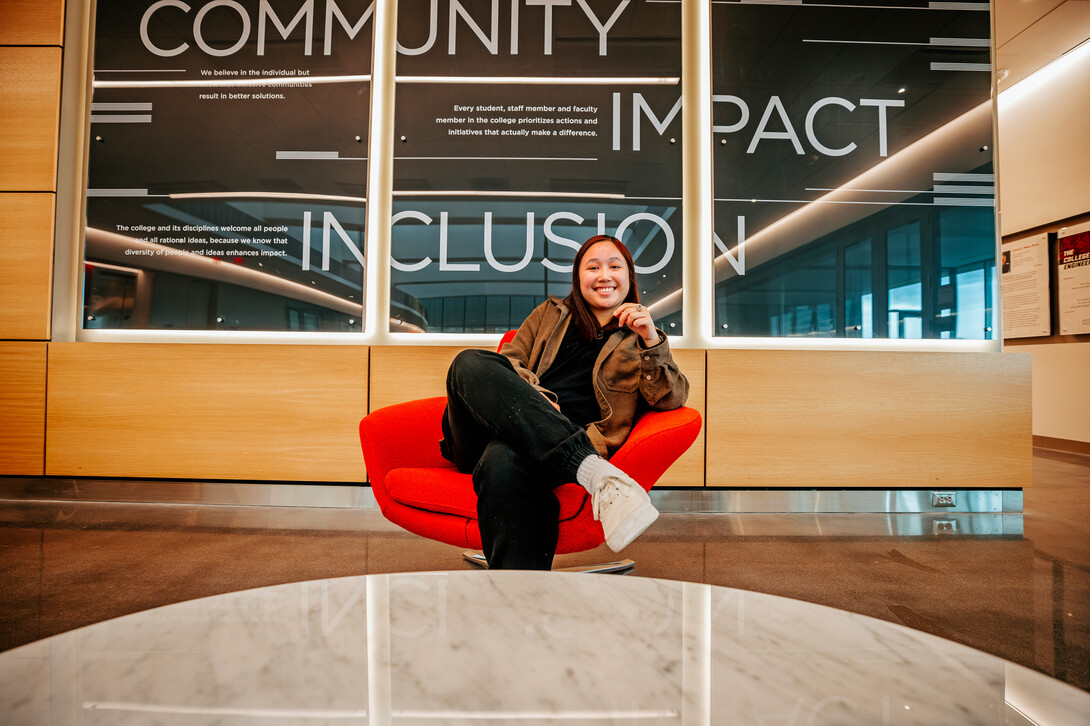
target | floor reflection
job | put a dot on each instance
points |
(1025, 598)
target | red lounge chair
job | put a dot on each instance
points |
(416, 488)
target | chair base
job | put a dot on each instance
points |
(619, 567)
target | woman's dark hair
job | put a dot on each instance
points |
(586, 324)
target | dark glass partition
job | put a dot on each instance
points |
(227, 170)
(522, 129)
(853, 156)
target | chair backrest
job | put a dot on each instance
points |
(504, 340)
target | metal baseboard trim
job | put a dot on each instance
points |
(841, 501)
(197, 493)
(668, 501)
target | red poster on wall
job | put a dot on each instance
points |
(1073, 279)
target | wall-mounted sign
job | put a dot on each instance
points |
(523, 129)
(1024, 267)
(227, 170)
(842, 125)
(1073, 279)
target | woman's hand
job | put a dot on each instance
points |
(638, 318)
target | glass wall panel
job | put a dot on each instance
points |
(905, 303)
(858, 136)
(858, 291)
(966, 274)
(227, 170)
(524, 128)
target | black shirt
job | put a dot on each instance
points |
(570, 376)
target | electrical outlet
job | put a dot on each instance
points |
(943, 499)
(944, 526)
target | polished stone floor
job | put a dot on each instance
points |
(66, 563)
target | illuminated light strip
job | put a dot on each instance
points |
(223, 711)
(277, 337)
(942, 176)
(547, 195)
(878, 191)
(284, 81)
(698, 221)
(1064, 64)
(121, 106)
(121, 193)
(900, 158)
(968, 42)
(119, 268)
(828, 201)
(120, 119)
(107, 244)
(983, 7)
(139, 70)
(962, 189)
(536, 715)
(865, 42)
(964, 202)
(267, 195)
(324, 155)
(796, 3)
(543, 80)
(975, 67)
(495, 158)
(934, 42)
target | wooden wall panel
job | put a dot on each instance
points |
(22, 408)
(400, 373)
(30, 82)
(260, 412)
(26, 246)
(802, 419)
(688, 471)
(32, 22)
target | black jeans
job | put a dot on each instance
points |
(518, 448)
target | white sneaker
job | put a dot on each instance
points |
(624, 510)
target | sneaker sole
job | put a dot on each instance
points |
(632, 528)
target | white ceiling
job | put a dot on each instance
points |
(1030, 34)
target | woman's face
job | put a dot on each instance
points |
(603, 279)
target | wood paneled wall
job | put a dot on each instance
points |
(30, 86)
(250, 412)
(868, 419)
(30, 80)
(22, 408)
(787, 419)
(688, 471)
(400, 373)
(31, 36)
(31, 22)
(26, 278)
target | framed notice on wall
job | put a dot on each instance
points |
(1025, 287)
(1073, 279)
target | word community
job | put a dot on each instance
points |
(334, 21)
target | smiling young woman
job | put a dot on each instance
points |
(554, 404)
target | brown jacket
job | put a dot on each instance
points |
(628, 377)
